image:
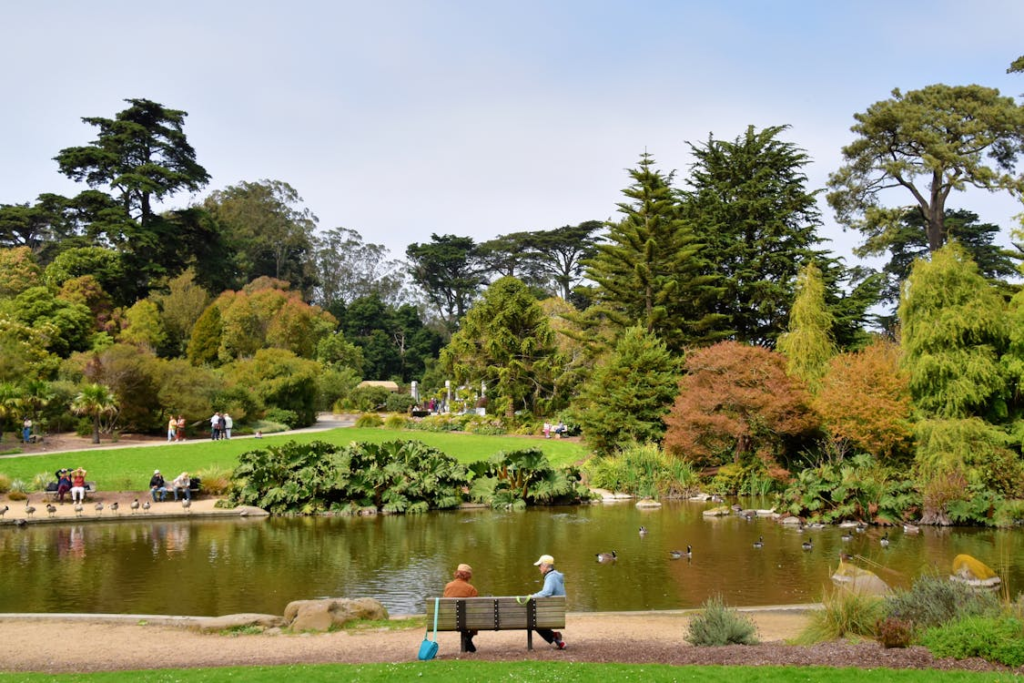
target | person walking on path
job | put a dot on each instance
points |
(554, 585)
(460, 587)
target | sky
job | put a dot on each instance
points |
(403, 118)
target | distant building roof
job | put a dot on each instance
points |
(390, 386)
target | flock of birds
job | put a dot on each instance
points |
(808, 545)
(79, 508)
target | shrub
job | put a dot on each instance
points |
(395, 421)
(399, 403)
(368, 398)
(844, 613)
(288, 418)
(367, 420)
(934, 601)
(40, 481)
(642, 470)
(719, 625)
(5, 483)
(996, 639)
(214, 480)
(894, 632)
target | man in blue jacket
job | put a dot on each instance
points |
(554, 584)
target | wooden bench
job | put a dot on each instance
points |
(497, 614)
(51, 489)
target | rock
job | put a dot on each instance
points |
(791, 521)
(859, 580)
(229, 621)
(973, 572)
(720, 511)
(320, 615)
(648, 503)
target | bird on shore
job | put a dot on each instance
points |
(885, 540)
(78, 509)
(99, 508)
(4, 511)
(808, 544)
(607, 557)
(187, 505)
(114, 506)
(29, 510)
(759, 543)
(51, 509)
(134, 506)
(145, 506)
(643, 531)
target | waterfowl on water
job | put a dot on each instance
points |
(808, 544)
(643, 531)
(607, 557)
(759, 543)
(846, 537)
(679, 554)
(885, 540)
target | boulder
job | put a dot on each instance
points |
(859, 580)
(320, 615)
(973, 572)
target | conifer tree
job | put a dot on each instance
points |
(808, 346)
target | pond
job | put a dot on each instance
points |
(211, 567)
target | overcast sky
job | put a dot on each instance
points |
(401, 119)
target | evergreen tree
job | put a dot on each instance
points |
(747, 201)
(808, 345)
(629, 393)
(650, 271)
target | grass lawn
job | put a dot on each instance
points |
(527, 672)
(129, 469)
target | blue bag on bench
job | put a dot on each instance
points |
(428, 648)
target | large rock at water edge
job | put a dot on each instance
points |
(973, 572)
(320, 615)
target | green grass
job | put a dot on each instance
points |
(525, 672)
(129, 469)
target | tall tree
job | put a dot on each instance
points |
(561, 253)
(95, 401)
(649, 271)
(446, 270)
(929, 142)
(347, 268)
(506, 342)
(808, 345)
(748, 201)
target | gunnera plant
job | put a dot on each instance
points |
(844, 613)
(717, 624)
(933, 601)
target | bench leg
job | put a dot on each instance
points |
(529, 639)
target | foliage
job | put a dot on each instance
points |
(204, 344)
(144, 326)
(649, 270)
(18, 271)
(444, 269)
(279, 379)
(929, 141)
(865, 401)
(506, 342)
(893, 632)
(934, 600)
(808, 344)
(399, 403)
(5, 483)
(369, 420)
(347, 268)
(954, 331)
(515, 479)
(368, 398)
(737, 402)
(133, 375)
(180, 308)
(95, 401)
(859, 488)
(215, 481)
(844, 613)
(643, 470)
(333, 385)
(717, 624)
(64, 326)
(394, 421)
(995, 639)
(395, 476)
(390, 340)
(629, 393)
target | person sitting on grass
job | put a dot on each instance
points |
(157, 485)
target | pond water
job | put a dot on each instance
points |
(211, 567)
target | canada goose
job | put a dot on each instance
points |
(29, 510)
(808, 544)
(99, 508)
(759, 543)
(911, 529)
(20, 522)
(145, 506)
(643, 531)
(679, 554)
(4, 511)
(114, 506)
(885, 540)
(134, 506)
(78, 509)
(51, 509)
(859, 528)
(846, 537)
(187, 504)
(605, 557)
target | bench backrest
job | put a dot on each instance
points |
(496, 614)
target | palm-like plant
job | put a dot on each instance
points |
(95, 400)
(11, 397)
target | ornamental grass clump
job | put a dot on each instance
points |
(844, 613)
(368, 420)
(720, 625)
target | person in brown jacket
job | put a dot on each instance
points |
(460, 587)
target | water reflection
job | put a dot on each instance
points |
(209, 567)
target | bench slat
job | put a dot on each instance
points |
(480, 614)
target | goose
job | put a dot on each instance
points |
(145, 506)
(114, 506)
(885, 540)
(846, 537)
(99, 508)
(134, 506)
(859, 528)
(678, 554)
(759, 543)
(607, 557)
(78, 509)
(808, 544)
(187, 504)
(20, 522)
(29, 510)
(911, 529)
(4, 511)
(643, 531)
(844, 557)
(51, 510)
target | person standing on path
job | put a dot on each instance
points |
(554, 585)
(460, 587)
(172, 429)
(228, 425)
(26, 429)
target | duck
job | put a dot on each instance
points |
(607, 557)
(643, 531)
(114, 506)
(759, 543)
(911, 529)
(808, 544)
(29, 510)
(51, 509)
(885, 540)
(134, 506)
(78, 509)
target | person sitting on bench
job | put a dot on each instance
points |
(182, 483)
(461, 588)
